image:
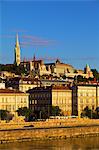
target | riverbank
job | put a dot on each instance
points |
(50, 129)
(61, 144)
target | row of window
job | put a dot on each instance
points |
(25, 88)
(87, 101)
(47, 95)
(12, 99)
(43, 95)
(33, 102)
(86, 94)
(62, 101)
(11, 107)
(8, 107)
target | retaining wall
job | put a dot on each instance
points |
(31, 133)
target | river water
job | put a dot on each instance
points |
(85, 143)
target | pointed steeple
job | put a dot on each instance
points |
(17, 40)
(17, 51)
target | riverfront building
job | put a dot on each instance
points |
(85, 95)
(43, 98)
(11, 100)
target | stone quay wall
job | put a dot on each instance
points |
(30, 134)
(55, 129)
(16, 124)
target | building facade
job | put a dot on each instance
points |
(28, 83)
(2, 85)
(43, 98)
(37, 67)
(11, 100)
(84, 95)
(59, 68)
(22, 83)
(62, 97)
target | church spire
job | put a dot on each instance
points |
(17, 40)
(17, 51)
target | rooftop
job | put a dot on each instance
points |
(9, 91)
(56, 87)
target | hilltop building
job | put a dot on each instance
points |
(38, 67)
(88, 71)
(59, 68)
(5, 74)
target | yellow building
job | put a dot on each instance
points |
(28, 83)
(43, 98)
(36, 66)
(11, 100)
(60, 68)
(85, 95)
(62, 97)
(6, 74)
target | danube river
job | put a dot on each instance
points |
(88, 143)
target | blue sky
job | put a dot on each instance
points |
(68, 30)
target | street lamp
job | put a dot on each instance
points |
(91, 113)
(40, 114)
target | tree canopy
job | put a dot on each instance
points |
(90, 113)
(95, 74)
(55, 111)
(5, 115)
(28, 113)
(13, 68)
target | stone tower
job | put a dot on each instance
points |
(87, 69)
(17, 52)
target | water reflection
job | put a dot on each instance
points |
(88, 143)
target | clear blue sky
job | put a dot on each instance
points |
(71, 29)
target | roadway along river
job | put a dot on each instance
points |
(88, 143)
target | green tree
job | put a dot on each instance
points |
(90, 79)
(43, 114)
(13, 68)
(75, 71)
(97, 112)
(95, 74)
(5, 115)
(87, 112)
(79, 78)
(55, 111)
(64, 76)
(28, 113)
